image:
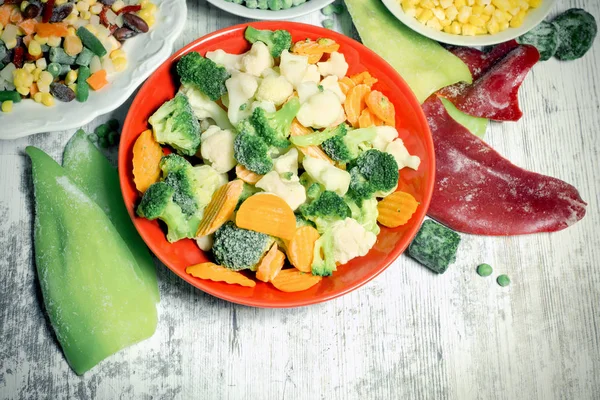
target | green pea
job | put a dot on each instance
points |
(328, 23)
(328, 10)
(113, 138)
(503, 280)
(103, 142)
(102, 130)
(484, 269)
(113, 124)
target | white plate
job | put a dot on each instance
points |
(534, 17)
(293, 12)
(145, 53)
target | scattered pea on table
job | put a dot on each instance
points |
(484, 269)
(503, 280)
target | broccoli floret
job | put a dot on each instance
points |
(327, 208)
(277, 41)
(174, 124)
(366, 214)
(158, 203)
(313, 188)
(275, 127)
(252, 152)
(204, 74)
(316, 138)
(323, 255)
(346, 146)
(301, 221)
(373, 171)
(237, 248)
(247, 191)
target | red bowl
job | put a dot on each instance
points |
(410, 122)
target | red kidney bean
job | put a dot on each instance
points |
(135, 23)
(31, 11)
(47, 13)
(123, 34)
(18, 56)
(62, 92)
(61, 12)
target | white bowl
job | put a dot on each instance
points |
(534, 17)
(144, 53)
(269, 15)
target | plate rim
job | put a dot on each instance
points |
(270, 15)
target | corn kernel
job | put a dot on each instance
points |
(451, 13)
(434, 23)
(150, 21)
(83, 5)
(119, 53)
(518, 19)
(429, 4)
(47, 99)
(36, 74)
(41, 63)
(468, 30)
(445, 23)
(425, 16)
(73, 87)
(455, 28)
(464, 14)
(37, 97)
(29, 67)
(46, 78)
(60, 2)
(493, 27)
(151, 7)
(7, 106)
(535, 3)
(439, 13)
(476, 21)
(43, 88)
(117, 5)
(11, 43)
(477, 10)
(40, 40)
(504, 25)
(96, 9)
(23, 90)
(92, 2)
(459, 4)
(54, 41)
(446, 3)
(85, 15)
(71, 77)
(34, 48)
(144, 14)
(119, 64)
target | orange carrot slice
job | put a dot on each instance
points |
(218, 273)
(366, 119)
(47, 29)
(382, 107)
(396, 209)
(355, 103)
(270, 265)
(300, 249)
(246, 175)
(97, 80)
(346, 84)
(15, 16)
(298, 129)
(293, 280)
(221, 207)
(146, 158)
(363, 78)
(27, 26)
(315, 49)
(5, 11)
(267, 213)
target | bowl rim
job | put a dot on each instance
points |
(270, 15)
(532, 20)
(260, 303)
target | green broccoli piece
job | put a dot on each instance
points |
(252, 152)
(346, 146)
(277, 41)
(316, 138)
(313, 188)
(372, 172)
(247, 191)
(326, 209)
(237, 248)
(204, 74)
(323, 255)
(366, 214)
(274, 128)
(158, 203)
(301, 221)
(174, 124)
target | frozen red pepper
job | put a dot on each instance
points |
(47, 13)
(497, 77)
(477, 191)
(129, 9)
(18, 57)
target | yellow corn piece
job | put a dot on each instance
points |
(119, 64)
(37, 97)
(71, 77)
(7, 106)
(47, 99)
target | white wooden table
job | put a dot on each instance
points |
(409, 334)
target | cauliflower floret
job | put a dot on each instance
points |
(275, 88)
(350, 240)
(231, 62)
(312, 74)
(385, 136)
(203, 107)
(257, 59)
(306, 90)
(320, 110)
(271, 71)
(293, 67)
(268, 106)
(287, 162)
(205, 243)
(402, 156)
(217, 148)
(336, 65)
(291, 191)
(240, 88)
(334, 179)
(331, 83)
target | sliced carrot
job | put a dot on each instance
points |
(97, 80)
(316, 152)
(33, 89)
(382, 107)
(267, 213)
(27, 26)
(315, 49)
(218, 273)
(5, 11)
(293, 280)
(346, 84)
(146, 158)
(300, 250)
(297, 129)
(270, 265)
(221, 207)
(47, 29)
(396, 209)
(367, 119)
(246, 175)
(16, 16)
(355, 103)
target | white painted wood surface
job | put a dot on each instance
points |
(409, 334)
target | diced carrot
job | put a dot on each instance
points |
(396, 209)
(221, 207)
(5, 11)
(300, 249)
(33, 89)
(346, 84)
(27, 26)
(382, 107)
(146, 158)
(316, 152)
(218, 273)
(355, 103)
(270, 265)
(367, 119)
(27, 39)
(16, 16)
(363, 78)
(267, 213)
(293, 280)
(315, 49)
(246, 175)
(97, 80)
(47, 29)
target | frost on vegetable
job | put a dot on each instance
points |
(241, 87)
(204, 108)
(293, 67)
(257, 60)
(289, 190)
(217, 149)
(332, 178)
